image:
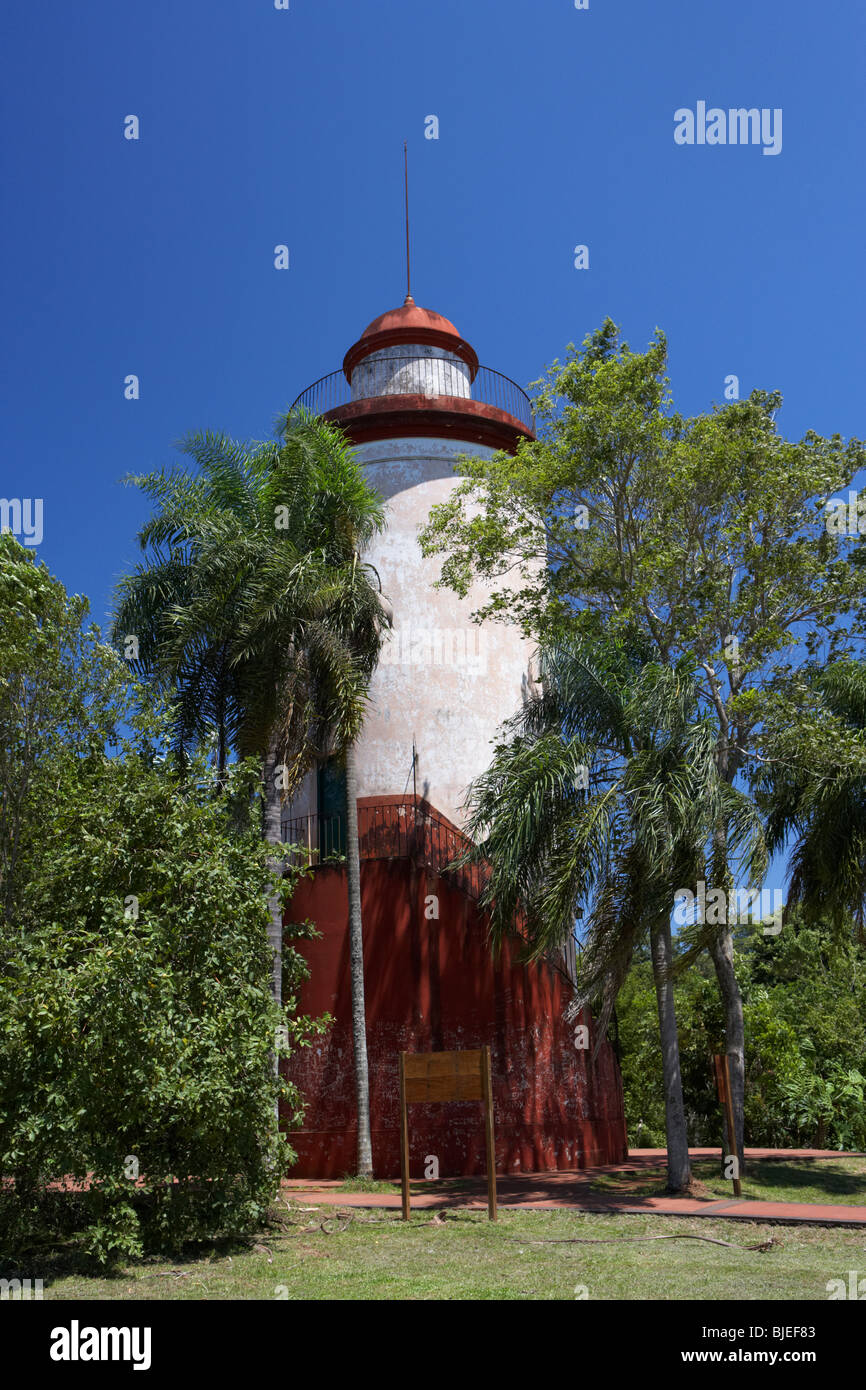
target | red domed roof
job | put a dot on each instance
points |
(409, 315)
(409, 324)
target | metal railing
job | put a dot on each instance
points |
(392, 830)
(436, 377)
(316, 838)
(405, 830)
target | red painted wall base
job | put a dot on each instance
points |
(432, 985)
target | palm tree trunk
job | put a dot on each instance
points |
(222, 754)
(272, 834)
(679, 1172)
(356, 958)
(722, 952)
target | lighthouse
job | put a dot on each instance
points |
(412, 399)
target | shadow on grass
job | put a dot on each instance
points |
(764, 1180)
(72, 1260)
(822, 1175)
(56, 1241)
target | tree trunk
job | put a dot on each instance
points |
(272, 834)
(679, 1171)
(222, 754)
(722, 952)
(356, 958)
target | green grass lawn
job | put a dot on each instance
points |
(838, 1180)
(315, 1254)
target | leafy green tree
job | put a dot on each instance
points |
(606, 791)
(700, 1029)
(62, 696)
(815, 794)
(707, 533)
(813, 976)
(805, 1023)
(134, 964)
(138, 1021)
(254, 611)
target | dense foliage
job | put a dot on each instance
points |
(134, 960)
(805, 1013)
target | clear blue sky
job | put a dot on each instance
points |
(261, 127)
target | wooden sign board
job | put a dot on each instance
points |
(433, 1077)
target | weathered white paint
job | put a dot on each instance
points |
(447, 682)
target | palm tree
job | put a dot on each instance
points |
(601, 800)
(256, 613)
(823, 805)
(356, 969)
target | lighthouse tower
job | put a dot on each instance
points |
(412, 399)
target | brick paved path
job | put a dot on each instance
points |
(547, 1190)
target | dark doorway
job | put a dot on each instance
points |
(332, 807)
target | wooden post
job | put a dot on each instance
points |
(404, 1138)
(487, 1089)
(732, 1132)
(723, 1086)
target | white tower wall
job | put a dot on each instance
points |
(442, 680)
